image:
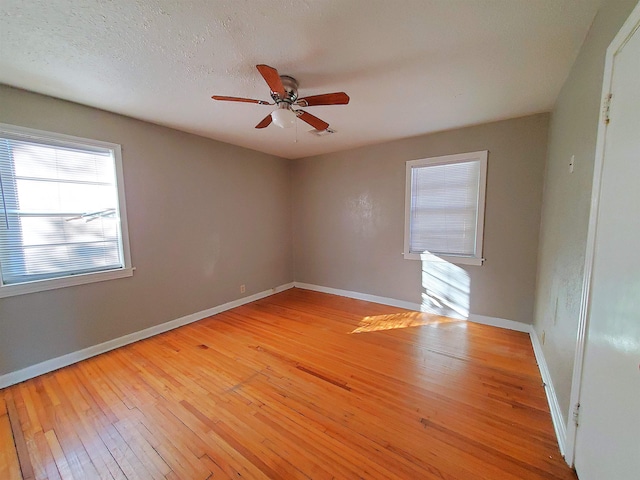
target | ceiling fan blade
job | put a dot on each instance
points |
(239, 99)
(266, 121)
(272, 77)
(338, 98)
(312, 120)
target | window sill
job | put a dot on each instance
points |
(456, 260)
(51, 284)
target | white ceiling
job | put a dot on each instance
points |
(410, 66)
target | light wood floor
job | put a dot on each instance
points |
(297, 385)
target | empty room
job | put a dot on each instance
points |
(332, 239)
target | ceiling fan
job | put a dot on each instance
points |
(284, 92)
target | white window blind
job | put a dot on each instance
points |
(445, 206)
(59, 210)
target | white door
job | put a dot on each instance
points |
(608, 434)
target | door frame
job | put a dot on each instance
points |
(626, 31)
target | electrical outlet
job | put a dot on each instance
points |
(242, 289)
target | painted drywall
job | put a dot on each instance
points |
(348, 216)
(204, 218)
(567, 197)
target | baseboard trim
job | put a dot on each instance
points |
(554, 407)
(492, 321)
(47, 366)
(500, 323)
(359, 296)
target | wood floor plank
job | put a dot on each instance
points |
(296, 385)
(9, 464)
(59, 457)
(43, 461)
(19, 440)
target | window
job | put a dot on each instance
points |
(62, 215)
(444, 210)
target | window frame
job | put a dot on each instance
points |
(480, 156)
(126, 270)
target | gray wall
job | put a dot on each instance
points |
(348, 216)
(204, 217)
(567, 197)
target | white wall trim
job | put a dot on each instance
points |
(557, 417)
(47, 366)
(359, 296)
(61, 282)
(500, 323)
(492, 321)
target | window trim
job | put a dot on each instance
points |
(81, 278)
(480, 156)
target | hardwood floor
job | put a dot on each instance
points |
(297, 385)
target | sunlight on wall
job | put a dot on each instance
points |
(445, 288)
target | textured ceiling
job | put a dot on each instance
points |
(410, 66)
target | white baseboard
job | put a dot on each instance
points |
(47, 366)
(359, 296)
(556, 413)
(500, 323)
(493, 321)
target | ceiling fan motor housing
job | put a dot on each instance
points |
(290, 89)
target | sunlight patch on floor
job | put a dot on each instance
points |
(400, 320)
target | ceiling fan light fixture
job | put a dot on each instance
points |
(284, 117)
(284, 92)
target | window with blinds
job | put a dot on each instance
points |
(60, 211)
(445, 207)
